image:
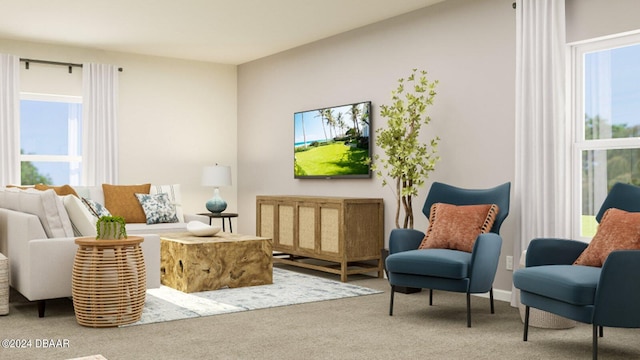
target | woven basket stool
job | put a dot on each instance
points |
(4, 285)
(108, 281)
(539, 318)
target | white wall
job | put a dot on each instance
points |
(469, 46)
(587, 19)
(175, 116)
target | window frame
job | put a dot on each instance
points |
(576, 99)
(72, 158)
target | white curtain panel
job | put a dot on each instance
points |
(9, 119)
(542, 157)
(100, 131)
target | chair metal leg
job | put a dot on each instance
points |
(595, 342)
(393, 290)
(526, 323)
(601, 330)
(468, 309)
(430, 297)
(491, 300)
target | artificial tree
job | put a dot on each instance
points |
(407, 161)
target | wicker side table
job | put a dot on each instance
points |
(108, 281)
(4, 285)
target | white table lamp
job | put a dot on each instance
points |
(216, 176)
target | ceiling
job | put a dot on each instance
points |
(220, 31)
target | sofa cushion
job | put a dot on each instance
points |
(618, 230)
(46, 205)
(457, 227)
(82, 220)
(174, 196)
(445, 263)
(157, 208)
(568, 283)
(121, 200)
(161, 228)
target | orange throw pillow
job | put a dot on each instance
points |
(618, 230)
(60, 190)
(121, 200)
(457, 227)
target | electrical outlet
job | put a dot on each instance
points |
(509, 262)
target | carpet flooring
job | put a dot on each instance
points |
(352, 328)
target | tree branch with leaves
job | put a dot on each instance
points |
(407, 161)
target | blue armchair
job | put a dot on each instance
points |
(445, 269)
(606, 296)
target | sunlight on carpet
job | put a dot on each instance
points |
(288, 288)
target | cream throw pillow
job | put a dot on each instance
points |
(82, 221)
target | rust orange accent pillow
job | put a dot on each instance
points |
(20, 187)
(60, 190)
(457, 227)
(121, 200)
(618, 230)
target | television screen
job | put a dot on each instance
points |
(333, 142)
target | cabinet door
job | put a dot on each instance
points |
(307, 226)
(286, 216)
(266, 220)
(330, 228)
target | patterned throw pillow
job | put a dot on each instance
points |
(618, 230)
(158, 208)
(96, 209)
(174, 195)
(457, 227)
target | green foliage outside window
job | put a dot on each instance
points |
(29, 174)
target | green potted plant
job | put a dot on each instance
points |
(111, 228)
(407, 161)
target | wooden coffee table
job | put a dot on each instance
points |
(192, 263)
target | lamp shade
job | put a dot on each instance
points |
(216, 176)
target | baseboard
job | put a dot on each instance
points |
(501, 295)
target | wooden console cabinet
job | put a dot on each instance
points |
(338, 235)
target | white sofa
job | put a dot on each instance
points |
(37, 236)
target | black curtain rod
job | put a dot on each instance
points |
(70, 65)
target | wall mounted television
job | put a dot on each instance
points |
(333, 142)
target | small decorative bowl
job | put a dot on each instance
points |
(200, 229)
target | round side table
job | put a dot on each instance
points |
(222, 216)
(108, 281)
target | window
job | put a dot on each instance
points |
(605, 91)
(50, 139)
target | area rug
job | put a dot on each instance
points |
(288, 288)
